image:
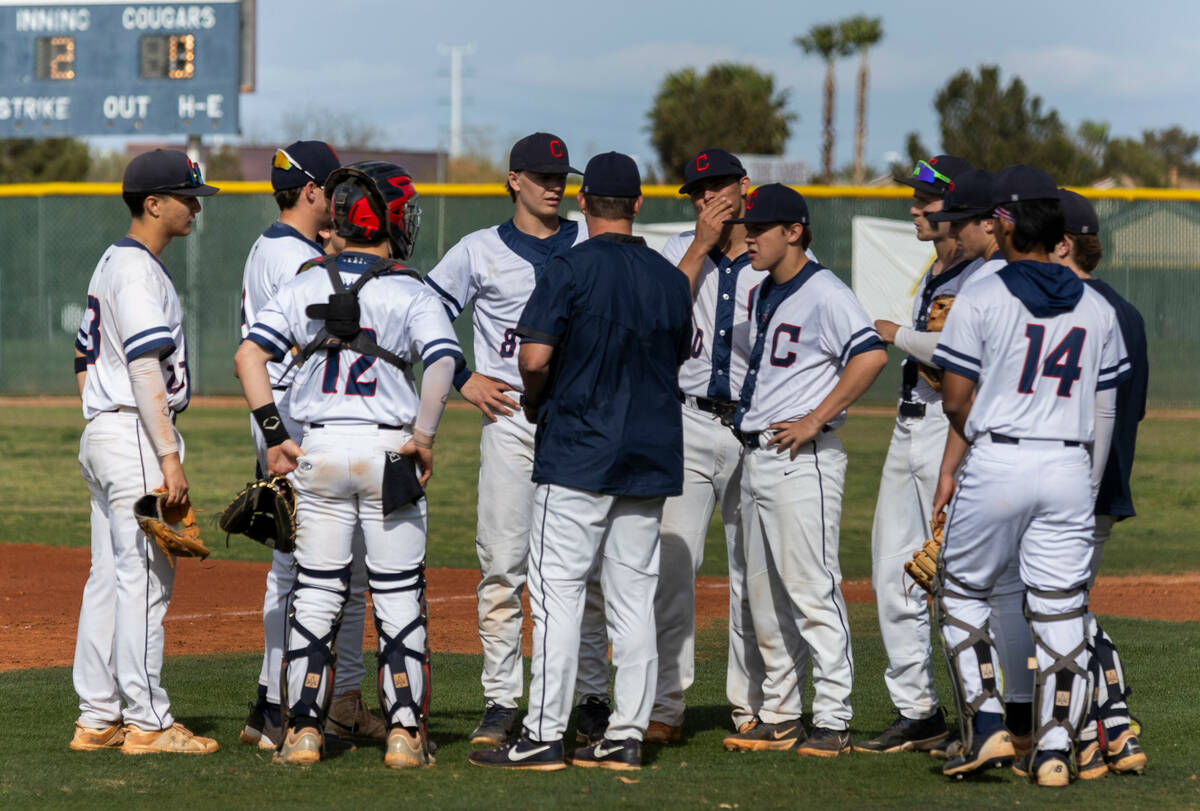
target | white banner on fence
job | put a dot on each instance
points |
(886, 266)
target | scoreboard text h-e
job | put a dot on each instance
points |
(119, 68)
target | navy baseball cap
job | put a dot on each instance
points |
(1079, 213)
(774, 203)
(541, 152)
(935, 175)
(708, 164)
(168, 171)
(969, 197)
(1019, 182)
(301, 162)
(612, 175)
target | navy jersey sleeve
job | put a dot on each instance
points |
(546, 314)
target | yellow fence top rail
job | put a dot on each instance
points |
(496, 190)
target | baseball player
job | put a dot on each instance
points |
(910, 469)
(1025, 350)
(131, 367)
(298, 174)
(713, 256)
(814, 352)
(363, 320)
(603, 334)
(496, 268)
(1081, 251)
(912, 466)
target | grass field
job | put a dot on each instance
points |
(46, 500)
(209, 694)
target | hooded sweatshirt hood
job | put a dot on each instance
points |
(1044, 288)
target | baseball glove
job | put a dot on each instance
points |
(162, 524)
(923, 567)
(265, 510)
(939, 309)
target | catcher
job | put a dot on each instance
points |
(366, 433)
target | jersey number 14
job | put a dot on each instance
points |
(1062, 362)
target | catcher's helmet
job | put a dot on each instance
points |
(373, 199)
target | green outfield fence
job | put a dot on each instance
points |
(52, 235)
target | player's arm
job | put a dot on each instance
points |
(150, 396)
(250, 363)
(857, 376)
(952, 456)
(709, 225)
(534, 361)
(80, 370)
(958, 394)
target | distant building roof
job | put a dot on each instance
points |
(255, 161)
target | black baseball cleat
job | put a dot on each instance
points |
(991, 751)
(758, 736)
(497, 726)
(825, 742)
(525, 753)
(591, 720)
(264, 725)
(908, 735)
(623, 755)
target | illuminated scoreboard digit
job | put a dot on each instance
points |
(112, 68)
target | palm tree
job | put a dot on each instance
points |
(861, 33)
(826, 41)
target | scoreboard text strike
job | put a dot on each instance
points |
(119, 68)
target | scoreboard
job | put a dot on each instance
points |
(119, 68)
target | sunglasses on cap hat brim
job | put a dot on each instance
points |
(286, 162)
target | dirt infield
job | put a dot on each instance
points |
(217, 605)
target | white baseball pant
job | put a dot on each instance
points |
(791, 513)
(712, 473)
(902, 515)
(1030, 502)
(506, 491)
(281, 578)
(338, 487)
(572, 531)
(119, 646)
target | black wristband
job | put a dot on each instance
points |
(271, 423)
(80, 364)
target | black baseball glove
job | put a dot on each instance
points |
(265, 511)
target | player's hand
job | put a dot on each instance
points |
(174, 479)
(281, 459)
(487, 394)
(422, 456)
(942, 495)
(711, 222)
(791, 436)
(887, 330)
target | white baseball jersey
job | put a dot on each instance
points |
(914, 388)
(801, 343)
(132, 309)
(720, 321)
(273, 260)
(496, 268)
(402, 315)
(1036, 375)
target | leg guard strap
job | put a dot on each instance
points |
(319, 653)
(1063, 668)
(979, 641)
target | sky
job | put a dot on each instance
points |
(589, 71)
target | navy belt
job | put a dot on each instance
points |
(911, 409)
(380, 427)
(1001, 439)
(750, 438)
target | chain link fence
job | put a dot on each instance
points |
(52, 242)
